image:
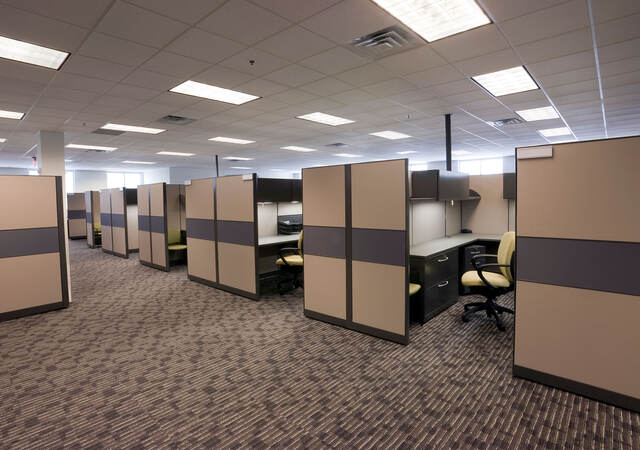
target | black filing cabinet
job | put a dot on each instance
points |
(438, 276)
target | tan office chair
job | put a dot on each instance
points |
(174, 241)
(492, 284)
(291, 262)
(414, 288)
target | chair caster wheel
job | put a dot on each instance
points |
(466, 307)
(465, 319)
(501, 328)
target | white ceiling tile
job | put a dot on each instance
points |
(204, 46)
(479, 41)
(365, 75)
(263, 63)
(116, 50)
(573, 42)
(96, 68)
(632, 78)
(620, 67)
(139, 25)
(455, 87)
(326, 86)
(293, 97)
(352, 96)
(222, 77)
(244, 22)
(492, 62)
(502, 10)
(618, 30)
(59, 105)
(261, 88)
(411, 61)
(389, 87)
(567, 77)
(190, 11)
(78, 12)
(294, 44)
(152, 80)
(71, 81)
(573, 88)
(25, 72)
(605, 10)
(134, 92)
(174, 65)
(69, 94)
(620, 50)
(563, 64)
(294, 75)
(348, 20)
(333, 61)
(435, 76)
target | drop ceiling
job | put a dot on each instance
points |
(127, 55)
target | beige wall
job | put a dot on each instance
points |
(490, 214)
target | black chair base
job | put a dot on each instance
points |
(492, 309)
(292, 281)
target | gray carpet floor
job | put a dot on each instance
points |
(144, 358)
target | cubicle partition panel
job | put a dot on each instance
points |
(33, 265)
(92, 214)
(118, 217)
(76, 216)
(118, 223)
(490, 213)
(105, 220)
(356, 258)
(201, 231)
(237, 235)
(577, 294)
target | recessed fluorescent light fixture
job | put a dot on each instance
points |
(31, 53)
(241, 168)
(175, 154)
(550, 132)
(91, 147)
(237, 158)
(131, 128)
(508, 81)
(393, 135)
(460, 152)
(544, 113)
(295, 148)
(230, 140)
(346, 155)
(326, 119)
(436, 19)
(68, 160)
(406, 152)
(11, 115)
(210, 92)
(138, 162)
(2, 140)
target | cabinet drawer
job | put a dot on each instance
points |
(441, 267)
(440, 296)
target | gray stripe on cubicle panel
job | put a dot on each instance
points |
(598, 265)
(144, 223)
(236, 232)
(117, 220)
(88, 216)
(378, 246)
(325, 241)
(30, 241)
(156, 224)
(105, 219)
(201, 229)
(76, 214)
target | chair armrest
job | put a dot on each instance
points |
(290, 251)
(480, 269)
(474, 258)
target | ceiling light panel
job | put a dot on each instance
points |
(237, 158)
(393, 135)
(326, 119)
(31, 53)
(240, 168)
(131, 128)
(460, 152)
(210, 92)
(436, 19)
(2, 140)
(508, 81)
(295, 148)
(406, 152)
(544, 113)
(11, 115)
(138, 162)
(346, 155)
(550, 132)
(230, 140)
(91, 147)
(175, 154)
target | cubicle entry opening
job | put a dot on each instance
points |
(161, 224)
(119, 221)
(33, 263)
(76, 217)
(92, 212)
(577, 295)
(356, 254)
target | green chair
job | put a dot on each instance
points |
(174, 241)
(492, 284)
(414, 288)
(291, 262)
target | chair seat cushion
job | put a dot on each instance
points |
(471, 278)
(292, 260)
(176, 247)
(413, 288)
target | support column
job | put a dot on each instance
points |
(447, 133)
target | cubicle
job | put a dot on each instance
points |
(119, 220)
(232, 229)
(33, 262)
(161, 224)
(577, 249)
(76, 217)
(356, 259)
(92, 214)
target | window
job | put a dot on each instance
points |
(132, 180)
(115, 180)
(33, 172)
(69, 180)
(481, 166)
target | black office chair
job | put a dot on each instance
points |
(491, 284)
(291, 265)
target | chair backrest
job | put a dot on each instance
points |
(173, 236)
(505, 250)
(300, 242)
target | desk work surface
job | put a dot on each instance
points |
(278, 239)
(434, 246)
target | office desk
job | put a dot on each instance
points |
(278, 239)
(269, 247)
(436, 266)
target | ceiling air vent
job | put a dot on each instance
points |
(108, 132)
(175, 120)
(336, 144)
(505, 122)
(384, 42)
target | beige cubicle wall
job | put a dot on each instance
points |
(356, 255)
(92, 214)
(118, 216)
(160, 219)
(492, 213)
(577, 295)
(76, 216)
(201, 231)
(33, 264)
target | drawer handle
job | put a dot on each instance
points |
(443, 284)
(446, 258)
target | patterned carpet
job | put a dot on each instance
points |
(144, 358)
